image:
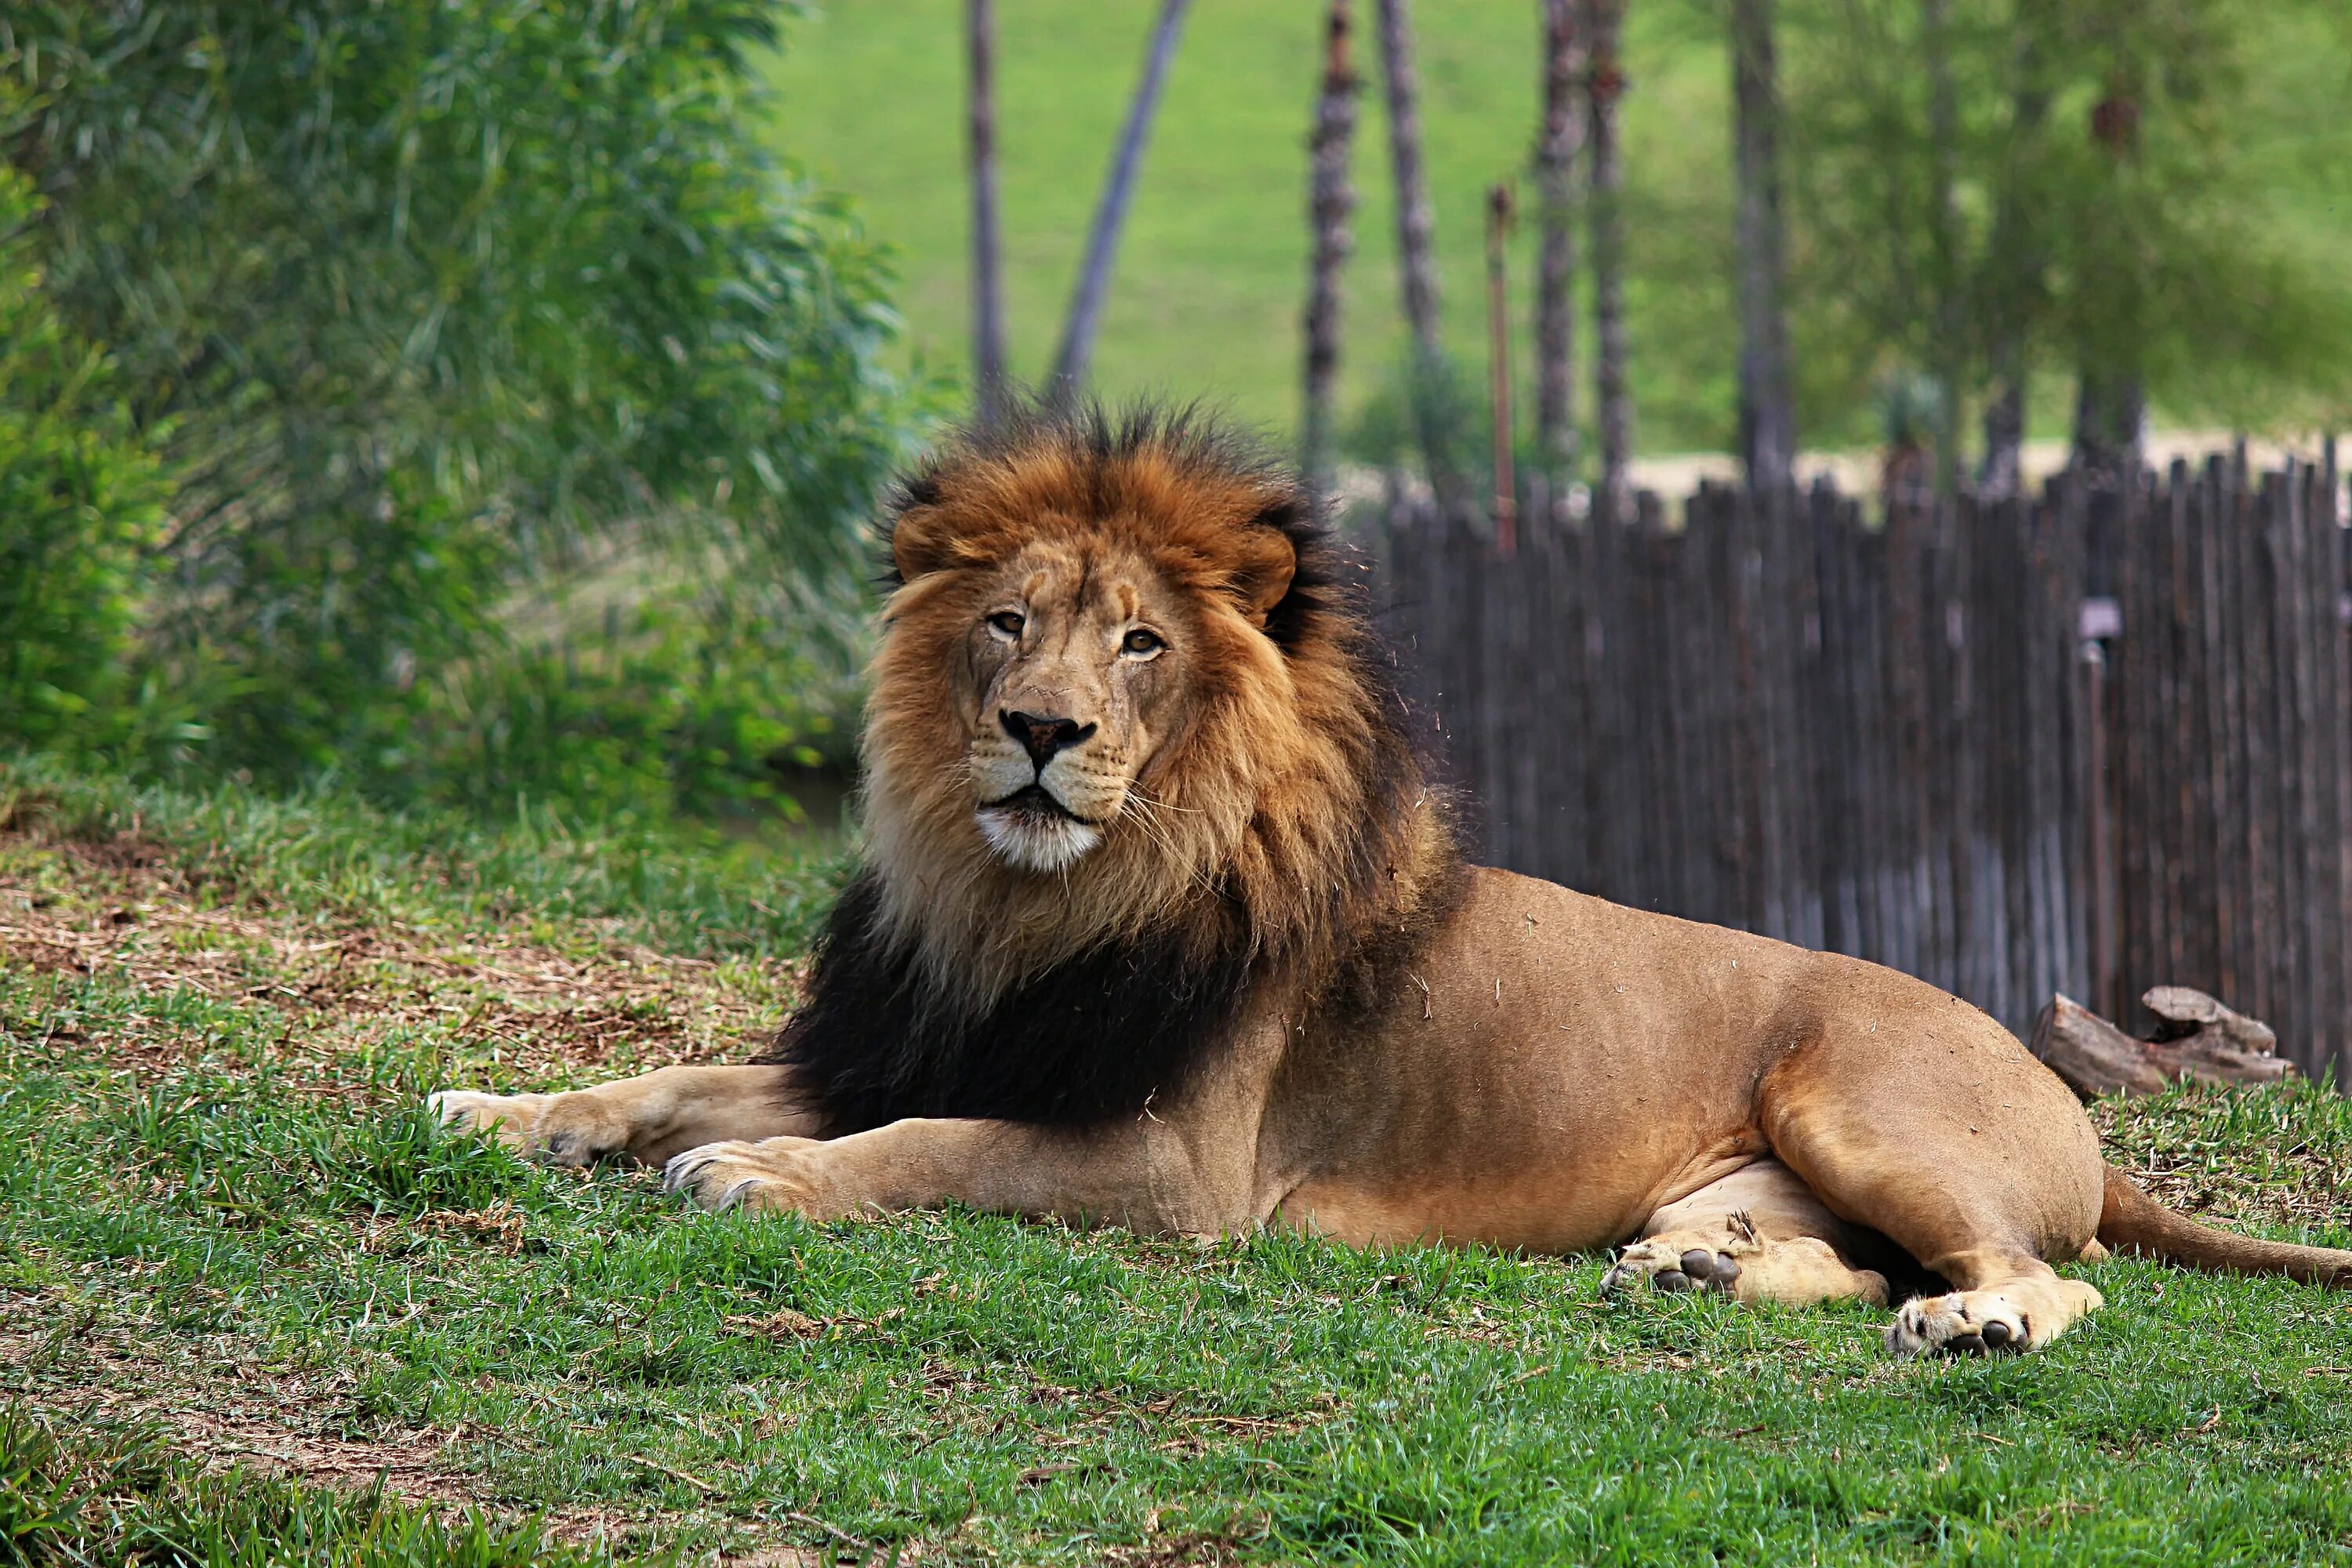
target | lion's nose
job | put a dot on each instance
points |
(1042, 737)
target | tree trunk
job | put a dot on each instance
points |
(1416, 256)
(1498, 366)
(1417, 260)
(1604, 84)
(1331, 203)
(1945, 354)
(1767, 419)
(2110, 428)
(987, 280)
(2016, 271)
(1075, 359)
(1563, 133)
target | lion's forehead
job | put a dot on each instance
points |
(1088, 579)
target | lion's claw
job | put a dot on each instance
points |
(776, 1175)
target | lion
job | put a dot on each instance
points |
(1162, 923)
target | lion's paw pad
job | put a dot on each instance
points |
(1964, 1323)
(1670, 1268)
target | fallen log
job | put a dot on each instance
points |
(2197, 1040)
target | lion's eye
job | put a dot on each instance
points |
(1007, 622)
(1139, 642)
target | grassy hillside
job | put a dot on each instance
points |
(1213, 270)
(253, 1309)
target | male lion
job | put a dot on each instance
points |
(1159, 924)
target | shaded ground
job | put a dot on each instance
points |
(243, 1285)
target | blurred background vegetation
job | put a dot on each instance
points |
(480, 403)
(2235, 209)
(460, 401)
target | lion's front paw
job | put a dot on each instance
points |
(509, 1117)
(775, 1176)
(559, 1129)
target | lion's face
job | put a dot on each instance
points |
(1078, 670)
(1077, 660)
(1121, 696)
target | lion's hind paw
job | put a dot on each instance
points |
(2023, 1315)
(1670, 1268)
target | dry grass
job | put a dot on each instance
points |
(123, 910)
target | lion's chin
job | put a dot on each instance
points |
(1035, 841)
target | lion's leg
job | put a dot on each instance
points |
(1142, 1174)
(647, 1118)
(1758, 1234)
(1964, 1151)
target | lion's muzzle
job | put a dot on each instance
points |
(1035, 800)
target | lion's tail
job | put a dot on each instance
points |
(2131, 1221)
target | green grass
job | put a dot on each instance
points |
(1212, 272)
(253, 1309)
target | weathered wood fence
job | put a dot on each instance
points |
(2089, 742)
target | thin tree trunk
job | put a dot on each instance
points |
(2110, 428)
(1604, 84)
(1498, 366)
(2001, 474)
(1556, 147)
(1416, 257)
(2110, 410)
(1767, 419)
(1075, 359)
(1331, 203)
(1416, 261)
(2016, 268)
(987, 280)
(1942, 232)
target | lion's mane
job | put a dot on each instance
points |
(1286, 843)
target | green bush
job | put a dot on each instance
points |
(81, 505)
(679, 703)
(423, 294)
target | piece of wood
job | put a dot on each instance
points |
(2095, 1057)
(2184, 1012)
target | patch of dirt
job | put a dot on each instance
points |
(121, 910)
(60, 1363)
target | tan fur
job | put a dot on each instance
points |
(1524, 1066)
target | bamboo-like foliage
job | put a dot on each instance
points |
(421, 292)
(81, 502)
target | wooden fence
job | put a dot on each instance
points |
(2089, 742)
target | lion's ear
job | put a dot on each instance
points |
(921, 541)
(1264, 563)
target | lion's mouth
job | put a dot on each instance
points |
(1032, 830)
(1036, 803)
